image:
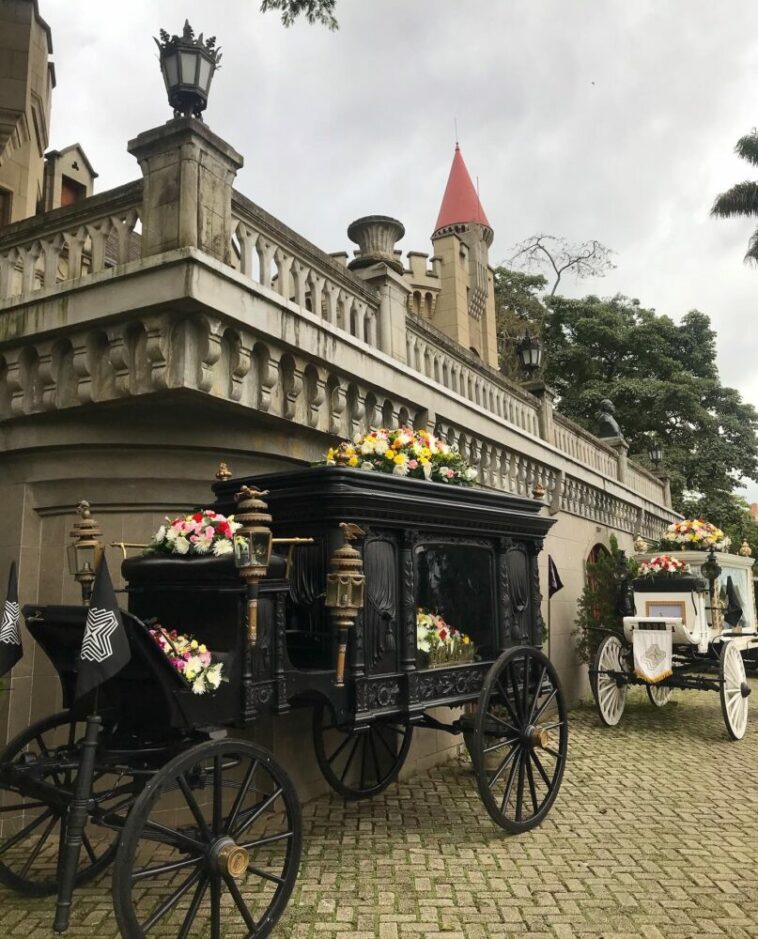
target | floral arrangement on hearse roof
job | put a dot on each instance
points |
(664, 566)
(190, 658)
(404, 452)
(694, 535)
(201, 534)
(439, 643)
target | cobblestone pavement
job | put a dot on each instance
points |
(653, 835)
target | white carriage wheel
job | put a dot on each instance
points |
(733, 687)
(659, 695)
(610, 696)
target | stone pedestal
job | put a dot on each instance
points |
(393, 304)
(546, 398)
(622, 448)
(187, 199)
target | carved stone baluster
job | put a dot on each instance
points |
(316, 396)
(337, 406)
(292, 389)
(332, 295)
(14, 380)
(316, 285)
(75, 242)
(248, 239)
(268, 375)
(211, 354)
(46, 376)
(240, 369)
(300, 279)
(120, 359)
(360, 320)
(98, 232)
(157, 330)
(29, 256)
(283, 261)
(8, 262)
(51, 250)
(265, 251)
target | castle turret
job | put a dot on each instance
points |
(465, 305)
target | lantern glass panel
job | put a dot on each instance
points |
(189, 66)
(171, 70)
(260, 545)
(81, 558)
(241, 551)
(204, 78)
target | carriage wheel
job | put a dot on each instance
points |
(214, 837)
(359, 764)
(610, 694)
(521, 717)
(31, 828)
(734, 690)
(659, 695)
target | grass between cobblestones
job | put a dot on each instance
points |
(654, 834)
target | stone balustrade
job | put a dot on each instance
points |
(274, 256)
(573, 440)
(68, 243)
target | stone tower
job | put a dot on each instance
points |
(465, 305)
(27, 79)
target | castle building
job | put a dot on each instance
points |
(150, 331)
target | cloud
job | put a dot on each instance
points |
(613, 121)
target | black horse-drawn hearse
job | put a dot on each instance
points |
(353, 614)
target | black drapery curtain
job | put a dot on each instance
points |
(518, 582)
(308, 582)
(380, 613)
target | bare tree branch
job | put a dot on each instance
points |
(540, 252)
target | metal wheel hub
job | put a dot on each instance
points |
(229, 859)
(745, 689)
(537, 736)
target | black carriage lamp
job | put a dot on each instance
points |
(711, 570)
(188, 65)
(85, 551)
(345, 586)
(655, 452)
(252, 549)
(529, 352)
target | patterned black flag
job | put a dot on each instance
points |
(105, 646)
(554, 582)
(10, 634)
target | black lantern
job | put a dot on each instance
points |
(655, 452)
(530, 354)
(188, 65)
(252, 549)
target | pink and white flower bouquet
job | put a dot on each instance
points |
(190, 658)
(201, 534)
(439, 643)
(404, 452)
(694, 535)
(664, 566)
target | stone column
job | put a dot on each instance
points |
(666, 480)
(187, 199)
(546, 398)
(622, 448)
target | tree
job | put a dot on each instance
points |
(662, 378)
(548, 252)
(742, 199)
(517, 308)
(600, 607)
(314, 11)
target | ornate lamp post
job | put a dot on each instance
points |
(655, 452)
(529, 352)
(252, 549)
(188, 65)
(85, 551)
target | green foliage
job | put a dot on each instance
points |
(314, 11)
(662, 378)
(742, 198)
(598, 612)
(518, 307)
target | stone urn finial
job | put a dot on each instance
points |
(376, 236)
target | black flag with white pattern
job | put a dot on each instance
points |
(11, 649)
(554, 582)
(105, 646)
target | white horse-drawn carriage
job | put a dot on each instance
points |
(694, 627)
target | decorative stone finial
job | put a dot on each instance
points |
(640, 545)
(538, 491)
(745, 550)
(223, 472)
(376, 236)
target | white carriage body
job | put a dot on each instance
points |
(688, 612)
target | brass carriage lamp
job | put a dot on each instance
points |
(711, 570)
(252, 549)
(345, 587)
(187, 65)
(85, 551)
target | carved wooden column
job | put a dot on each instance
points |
(505, 620)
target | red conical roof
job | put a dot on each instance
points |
(460, 204)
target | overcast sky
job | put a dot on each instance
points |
(610, 119)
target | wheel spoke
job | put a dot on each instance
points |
(274, 878)
(504, 695)
(256, 812)
(509, 742)
(520, 789)
(340, 748)
(541, 769)
(232, 887)
(268, 840)
(499, 771)
(164, 868)
(387, 747)
(537, 694)
(34, 854)
(194, 906)
(189, 798)
(175, 837)
(88, 848)
(499, 720)
(350, 759)
(217, 797)
(26, 830)
(514, 687)
(509, 786)
(215, 907)
(530, 777)
(170, 902)
(544, 706)
(375, 757)
(241, 795)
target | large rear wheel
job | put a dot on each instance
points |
(734, 690)
(607, 685)
(520, 739)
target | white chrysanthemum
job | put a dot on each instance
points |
(223, 546)
(400, 469)
(202, 545)
(160, 535)
(471, 473)
(198, 685)
(367, 466)
(171, 535)
(381, 447)
(427, 470)
(181, 544)
(213, 675)
(367, 447)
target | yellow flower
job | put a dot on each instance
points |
(193, 644)
(353, 461)
(466, 640)
(202, 648)
(400, 458)
(389, 455)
